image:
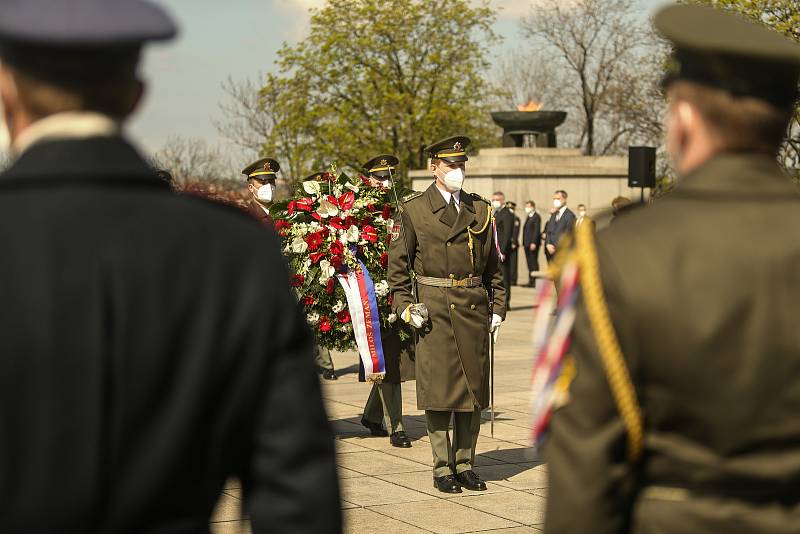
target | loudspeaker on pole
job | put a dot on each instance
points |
(641, 166)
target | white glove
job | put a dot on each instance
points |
(496, 322)
(494, 328)
(416, 315)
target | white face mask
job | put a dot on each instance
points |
(557, 204)
(265, 193)
(453, 180)
(529, 210)
(496, 204)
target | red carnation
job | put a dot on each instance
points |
(297, 280)
(384, 260)
(314, 241)
(329, 287)
(308, 300)
(387, 211)
(324, 324)
(282, 227)
(336, 262)
(343, 316)
(368, 233)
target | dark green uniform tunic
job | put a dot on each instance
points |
(703, 289)
(452, 363)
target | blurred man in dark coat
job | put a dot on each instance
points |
(532, 240)
(562, 222)
(504, 219)
(151, 347)
(707, 439)
(514, 260)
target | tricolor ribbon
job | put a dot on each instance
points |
(552, 372)
(363, 306)
(496, 242)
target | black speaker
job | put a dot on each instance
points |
(641, 166)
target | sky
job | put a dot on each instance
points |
(237, 39)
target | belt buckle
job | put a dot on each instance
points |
(460, 283)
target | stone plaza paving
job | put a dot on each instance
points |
(390, 490)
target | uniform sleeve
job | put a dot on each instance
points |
(291, 485)
(590, 481)
(493, 278)
(400, 265)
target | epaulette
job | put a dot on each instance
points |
(476, 196)
(413, 195)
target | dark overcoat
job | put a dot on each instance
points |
(452, 362)
(709, 331)
(150, 349)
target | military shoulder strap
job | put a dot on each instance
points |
(617, 373)
(412, 196)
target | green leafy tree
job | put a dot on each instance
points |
(376, 76)
(783, 16)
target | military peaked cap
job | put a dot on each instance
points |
(381, 166)
(81, 39)
(452, 149)
(263, 169)
(724, 50)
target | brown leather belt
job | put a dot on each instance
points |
(474, 281)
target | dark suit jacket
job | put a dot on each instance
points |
(709, 333)
(150, 349)
(505, 230)
(557, 228)
(532, 231)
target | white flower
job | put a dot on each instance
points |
(382, 288)
(299, 245)
(339, 306)
(326, 272)
(337, 190)
(392, 318)
(352, 234)
(312, 318)
(379, 220)
(351, 187)
(327, 208)
(306, 266)
(312, 187)
(390, 224)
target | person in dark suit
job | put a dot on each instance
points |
(151, 346)
(562, 222)
(505, 239)
(682, 413)
(532, 240)
(514, 260)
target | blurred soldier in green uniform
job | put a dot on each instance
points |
(261, 176)
(697, 430)
(446, 248)
(383, 413)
